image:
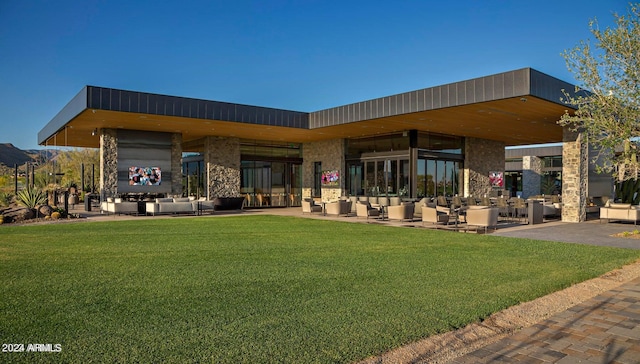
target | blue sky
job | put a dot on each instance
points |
(303, 55)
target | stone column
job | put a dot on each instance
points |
(222, 162)
(108, 163)
(575, 172)
(531, 175)
(481, 156)
(331, 154)
(176, 164)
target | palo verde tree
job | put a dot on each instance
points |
(608, 113)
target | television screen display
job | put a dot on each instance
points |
(145, 176)
(496, 179)
(331, 178)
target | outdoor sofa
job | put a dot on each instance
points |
(118, 206)
(170, 205)
(620, 212)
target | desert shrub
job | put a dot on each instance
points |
(31, 197)
(5, 199)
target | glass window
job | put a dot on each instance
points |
(317, 179)
(193, 176)
(437, 177)
(355, 178)
(278, 188)
(404, 186)
(370, 182)
(380, 179)
(552, 162)
(270, 149)
(421, 178)
(384, 143)
(391, 172)
(247, 179)
(513, 182)
(431, 178)
(440, 143)
(551, 183)
(295, 195)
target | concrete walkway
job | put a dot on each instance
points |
(591, 232)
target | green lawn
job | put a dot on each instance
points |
(262, 288)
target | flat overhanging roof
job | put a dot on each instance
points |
(518, 108)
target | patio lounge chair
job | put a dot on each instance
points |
(341, 207)
(309, 206)
(401, 212)
(432, 215)
(366, 210)
(483, 217)
(417, 212)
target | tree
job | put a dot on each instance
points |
(68, 164)
(609, 112)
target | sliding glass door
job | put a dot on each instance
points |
(437, 177)
(271, 184)
(379, 177)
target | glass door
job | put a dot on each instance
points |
(437, 177)
(278, 196)
(295, 185)
(247, 178)
(271, 184)
(356, 182)
(384, 177)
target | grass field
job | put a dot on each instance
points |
(262, 288)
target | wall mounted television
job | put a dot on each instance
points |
(331, 178)
(145, 176)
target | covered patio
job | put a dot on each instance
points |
(486, 114)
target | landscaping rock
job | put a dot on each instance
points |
(18, 214)
(45, 210)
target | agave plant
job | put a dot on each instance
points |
(31, 197)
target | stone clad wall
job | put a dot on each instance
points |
(575, 172)
(109, 163)
(331, 154)
(222, 161)
(481, 157)
(176, 164)
(531, 175)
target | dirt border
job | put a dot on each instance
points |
(448, 346)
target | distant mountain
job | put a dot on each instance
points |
(10, 155)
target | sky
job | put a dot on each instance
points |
(304, 55)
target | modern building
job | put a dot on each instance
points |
(536, 170)
(441, 140)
